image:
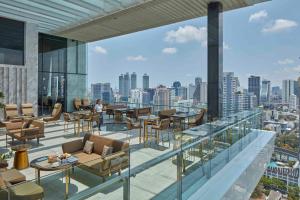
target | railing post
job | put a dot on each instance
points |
(126, 188)
(179, 175)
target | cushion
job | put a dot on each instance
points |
(88, 147)
(106, 151)
(86, 158)
(27, 123)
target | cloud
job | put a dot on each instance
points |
(169, 50)
(285, 61)
(258, 16)
(186, 34)
(136, 58)
(279, 25)
(101, 50)
(292, 70)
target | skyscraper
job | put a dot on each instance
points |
(230, 85)
(133, 81)
(145, 81)
(176, 85)
(254, 87)
(161, 97)
(182, 92)
(203, 92)
(191, 90)
(126, 85)
(102, 91)
(287, 90)
(265, 91)
(197, 93)
(121, 85)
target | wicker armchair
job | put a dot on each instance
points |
(67, 120)
(25, 130)
(198, 120)
(164, 124)
(11, 112)
(55, 116)
(27, 110)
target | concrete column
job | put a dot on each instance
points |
(215, 60)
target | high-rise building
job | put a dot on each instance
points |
(287, 90)
(191, 91)
(176, 85)
(172, 96)
(146, 98)
(203, 92)
(254, 86)
(230, 85)
(293, 102)
(136, 96)
(133, 81)
(126, 85)
(276, 91)
(198, 81)
(145, 81)
(151, 92)
(121, 85)
(161, 98)
(197, 93)
(182, 92)
(102, 91)
(265, 92)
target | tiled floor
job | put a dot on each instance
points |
(145, 185)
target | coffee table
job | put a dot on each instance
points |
(21, 156)
(42, 164)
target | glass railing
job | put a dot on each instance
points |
(171, 166)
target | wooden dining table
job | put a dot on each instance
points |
(79, 116)
(148, 120)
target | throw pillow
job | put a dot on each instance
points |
(106, 151)
(88, 147)
(27, 123)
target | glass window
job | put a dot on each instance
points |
(11, 42)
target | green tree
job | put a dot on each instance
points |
(294, 193)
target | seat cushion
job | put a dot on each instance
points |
(85, 158)
(13, 176)
(28, 191)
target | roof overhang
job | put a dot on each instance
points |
(92, 20)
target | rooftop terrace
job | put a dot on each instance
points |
(154, 171)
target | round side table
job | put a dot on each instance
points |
(21, 156)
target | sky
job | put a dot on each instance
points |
(261, 40)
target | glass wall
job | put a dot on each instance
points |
(62, 72)
(11, 42)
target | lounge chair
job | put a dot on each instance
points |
(25, 130)
(11, 112)
(198, 120)
(55, 116)
(27, 110)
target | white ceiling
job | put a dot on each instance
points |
(92, 20)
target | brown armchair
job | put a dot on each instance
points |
(132, 126)
(86, 104)
(95, 162)
(25, 130)
(166, 114)
(27, 110)
(198, 120)
(164, 124)
(67, 120)
(11, 112)
(55, 116)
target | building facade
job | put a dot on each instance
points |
(145, 81)
(102, 91)
(265, 94)
(254, 87)
(287, 90)
(133, 80)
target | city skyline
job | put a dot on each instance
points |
(176, 47)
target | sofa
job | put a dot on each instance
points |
(94, 162)
(25, 130)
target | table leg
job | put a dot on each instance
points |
(140, 139)
(78, 129)
(38, 176)
(67, 173)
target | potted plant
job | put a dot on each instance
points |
(3, 158)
